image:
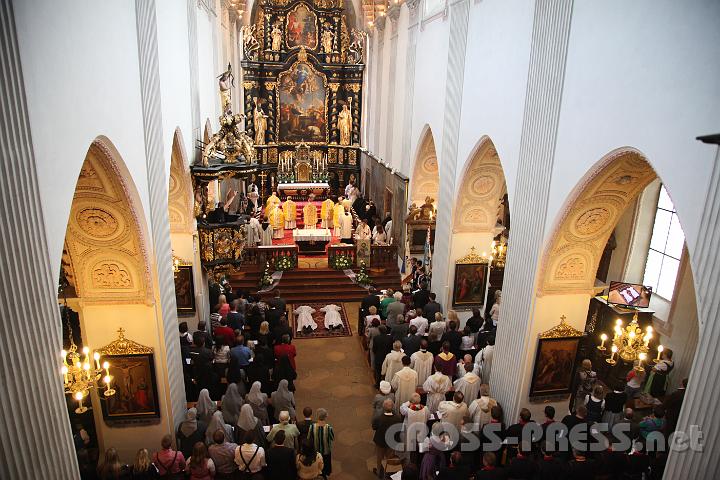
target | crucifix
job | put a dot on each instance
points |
(263, 193)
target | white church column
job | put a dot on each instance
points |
(548, 52)
(158, 187)
(197, 133)
(393, 16)
(459, 16)
(36, 438)
(380, 27)
(414, 11)
(698, 410)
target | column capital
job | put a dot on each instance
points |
(380, 23)
(414, 10)
(393, 13)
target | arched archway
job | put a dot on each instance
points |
(425, 179)
(107, 261)
(180, 208)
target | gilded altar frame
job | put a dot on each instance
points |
(555, 361)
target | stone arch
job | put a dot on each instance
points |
(106, 258)
(180, 188)
(482, 187)
(571, 260)
(425, 180)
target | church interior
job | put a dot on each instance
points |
(271, 239)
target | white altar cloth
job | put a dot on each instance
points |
(312, 235)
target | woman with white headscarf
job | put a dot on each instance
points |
(231, 403)
(247, 422)
(283, 399)
(205, 406)
(190, 431)
(258, 401)
(217, 423)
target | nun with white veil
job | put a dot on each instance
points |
(205, 406)
(283, 399)
(258, 401)
(248, 422)
(217, 423)
(231, 403)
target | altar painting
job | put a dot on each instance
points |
(301, 28)
(302, 95)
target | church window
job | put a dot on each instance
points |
(666, 246)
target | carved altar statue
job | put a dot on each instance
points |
(355, 49)
(327, 40)
(260, 124)
(230, 141)
(250, 43)
(276, 36)
(427, 210)
(344, 123)
(226, 82)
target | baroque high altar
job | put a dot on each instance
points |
(302, 85)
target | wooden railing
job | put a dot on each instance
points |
(260, 255)
(383, 255)
(337, 250)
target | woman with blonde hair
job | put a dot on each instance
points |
(111, 468)
(223, 307)
(143, 468)
(200, 466)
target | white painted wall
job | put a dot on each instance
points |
(395, 143)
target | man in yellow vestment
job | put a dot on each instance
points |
(290, 210)
(327, 210)
(310, 214)
(277, 219)
(347, 203)
(338, 212)
(272, 201)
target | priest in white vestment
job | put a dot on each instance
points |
(483, 361)
(404, 382)
(436, 386)
(468, 384)
(415, 424)
(393, 362)
(346, 227)
(332, 316)
(454, 411)
(254, 232)
(480, 408)
(305, 318)
(422, 361)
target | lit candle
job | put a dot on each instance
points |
(641, 359)
(660, 350)
(613, 351)
(106, 366)
(63, 353)
(96, 356)
(603, 338)
(647, 338)
(64, 371)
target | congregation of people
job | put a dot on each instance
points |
(434, 416)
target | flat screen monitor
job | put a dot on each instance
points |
(629, 294)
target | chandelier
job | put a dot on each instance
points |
(80, 375)
(498, 252)
(629, 343)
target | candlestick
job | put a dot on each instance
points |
(601, 347)
(613, 351)
(96, 356)
(659, 350)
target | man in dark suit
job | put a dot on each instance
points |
(432, 307)
(382, 424)
(280, 459)
(382, 345)
(304, 426)
(454, 338)
(673, 404)
(277, 309)
(202, 361)
(412, 342)
(370, 300)
(235, 319)
(421, 296)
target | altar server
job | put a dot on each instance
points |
(362, 232)
(327, 211)
(267, 233)
(290, 210)
(272, 201)
(332, 316)
(277, 218)
(310, 214)
(404, 382)
(346, 227)
(338, 211)
(305, 318)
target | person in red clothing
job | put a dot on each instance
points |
(226, 332)
(285, 349)
(169, 462)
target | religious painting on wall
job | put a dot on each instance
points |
(301, 28)
(302, 97)
(185, 290)
(469, 285)
(555, 361)
(132, 368)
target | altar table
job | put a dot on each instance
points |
(301, 190)
(312, 240)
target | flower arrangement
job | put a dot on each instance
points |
(362, 276)
(266, 278)
(284, 262)
(341, 262)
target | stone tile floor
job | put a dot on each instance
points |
(333, 374)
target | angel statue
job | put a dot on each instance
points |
(327, 40)
(226, 82)
(344, 123)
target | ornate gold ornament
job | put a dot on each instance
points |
(302, 55)
(354, 87)
(124, 346)
(562, 330)
(111, 275)
(334, 86)
(249, 85)
(472, 257)
(270, 85)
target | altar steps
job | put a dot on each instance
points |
(317, 285)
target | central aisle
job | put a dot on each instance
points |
(333, 374)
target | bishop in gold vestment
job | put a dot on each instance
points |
(338, 212)
(310, 215)
(290, 209)
(327, 210)
(277, 219)
(271, 202)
